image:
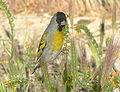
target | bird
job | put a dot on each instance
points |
(52, 40)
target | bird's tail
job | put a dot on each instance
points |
(35, 68)
(39, 64)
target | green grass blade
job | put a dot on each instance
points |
(74, 63)
(93, 44)
(102, 33)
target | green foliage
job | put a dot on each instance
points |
(10, 19)
(46, 77)
(14, 81)
(30, 49)
(74, 62)
(94, 79)
(2, 88)
(9, 15)
(102, 33)
(84, 80)
(93, 44)
(67, 78)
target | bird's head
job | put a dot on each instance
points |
(61, 20)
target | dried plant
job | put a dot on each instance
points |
(111, 57)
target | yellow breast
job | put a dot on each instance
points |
(57, 40)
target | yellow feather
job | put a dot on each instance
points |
(41, 45)
(57, 40)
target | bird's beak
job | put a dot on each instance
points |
(63, 23)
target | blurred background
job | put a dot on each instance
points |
(34, 15)
(31, 18)
(79, 7)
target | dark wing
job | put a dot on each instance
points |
(42, 45)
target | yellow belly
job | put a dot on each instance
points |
(57, 40)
